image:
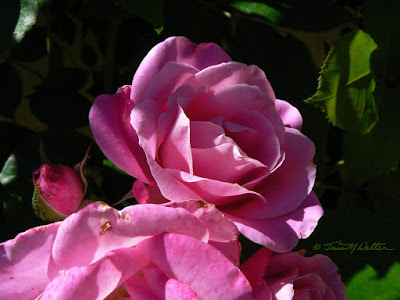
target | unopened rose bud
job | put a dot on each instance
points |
(58, 192)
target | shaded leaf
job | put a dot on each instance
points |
(346, 85)
(150, 10)
(309, 15)
(371, 155)
(12, 93)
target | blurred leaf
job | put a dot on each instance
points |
(308, 15)
(367, 285)
(13, 93)
(346, 85)
(27, 18)
(9, 171)
(58, 102)
(150, 10)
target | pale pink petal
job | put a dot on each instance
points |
(109, 120)
(220, 228)
(181, 186)
(281, 234)
(97, 280)
(178, 49)
(86, 236)
(24, 261)
(231, 250)
(175, 290)
(290, 115)
(207, 271)
(224, 75)
(225, 162)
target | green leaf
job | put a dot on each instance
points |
(9, 12)
(9, 171)
(27, 18)
(371, 155)
(307, 15)
(367, 285)
(346, 84)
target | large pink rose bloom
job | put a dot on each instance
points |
(283, 276)
(195, 125)
(142, 252)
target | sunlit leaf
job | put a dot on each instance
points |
(346, 84)
(27, 18)
(9, 171)
(366, 284)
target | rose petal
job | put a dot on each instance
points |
(194, 263)
(24, 261)
(290, 115)
(289, 184)
(86, 236)
(281, 234)
(109, 120)
(178, 49)
(175, 290)
(167, 81)
(217, 77)
(96, 280)
(175, 151)
(147, 193)
(144, 119)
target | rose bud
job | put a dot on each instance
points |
(58, 192)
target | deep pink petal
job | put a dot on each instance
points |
(145, 193)
(232, 73)
(289, 184)
(138, 289)
(109, 120)
(175, 151)
(24, 261)
(281, 234)
(178, 49)
(207, 271)
(290, 115)
(86, 236)
(156, 280)
(97, 280)
(144, 119)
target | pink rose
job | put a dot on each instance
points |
(143, 252)
(196, 125)
(283, 276)
(58, 192)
